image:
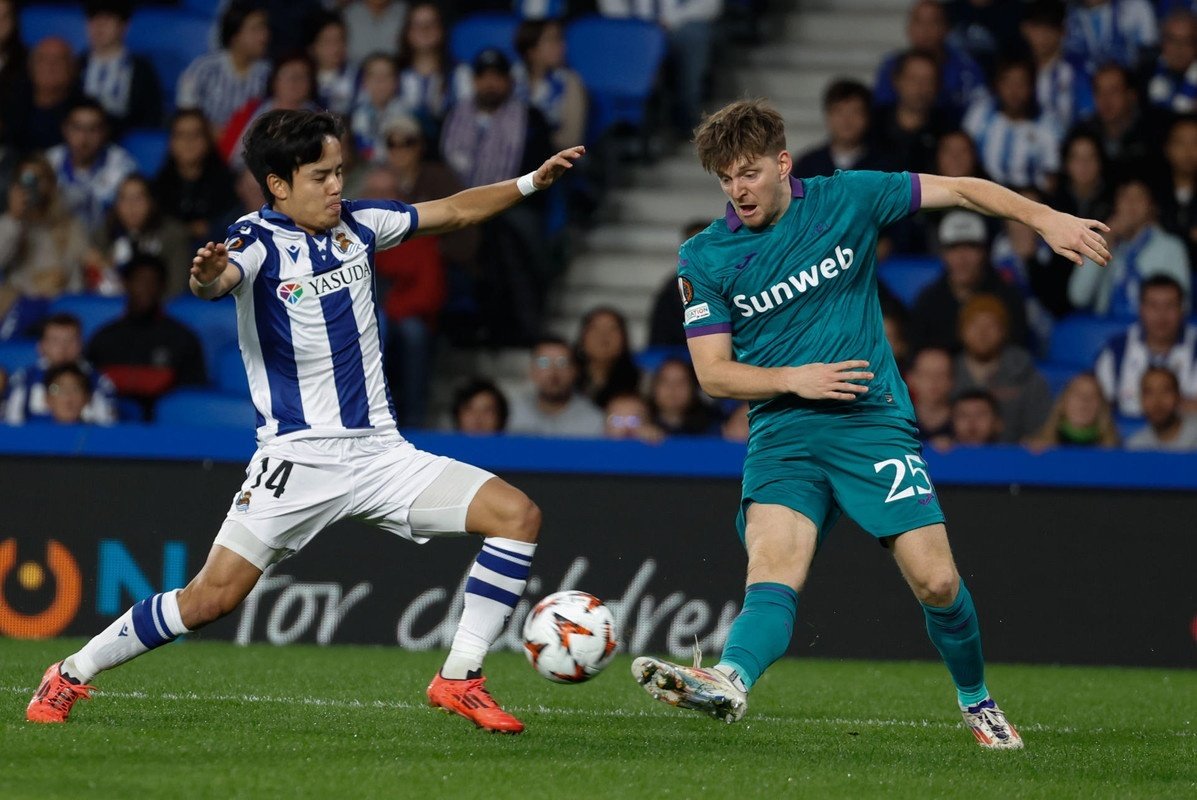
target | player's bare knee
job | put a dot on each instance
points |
(202, 603)
(522, 519)
(938, 589)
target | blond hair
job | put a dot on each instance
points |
(745, 129)
(1049, 434)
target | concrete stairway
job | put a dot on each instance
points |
(625, 259)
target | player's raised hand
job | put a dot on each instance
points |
(1076, 239)
(829, 381)
(556, 166)
(210, 262)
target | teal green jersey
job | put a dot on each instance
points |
(803, 290)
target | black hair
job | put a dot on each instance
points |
(317, 21)
(404, 58)
(1128, 77)
(697, 418)
(624, 376)
(529, 33)
(910, 55)
(983, 395)
(117, 8)
(1158, 281)
(141, 260)
(234, 17)
(471, 389)
(1181, 119)
(290, 58)
(280, 142)
(54, 373)
(88, 104)
(1163, 371)
(61, 319)
(846, 89)
(1045, 12)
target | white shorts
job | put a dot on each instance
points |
(295, 489)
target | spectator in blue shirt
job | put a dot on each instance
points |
(1018, 145)
(125, 84)
(927, 30)
(1061, 82)
(60, 345)
(1100, 31)
(1173, 86)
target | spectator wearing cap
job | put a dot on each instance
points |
(1061, 82)
(847, 106)
(964, 249)
(373, 27)
(494, 134)
(1019, 146)
(41, 101)
(547, 84)
(126, 85)
(1167, 428)
(1139, 248)
(59, 345)
(988, 361)
(146, 353)
(88, 166)
(1160, 338)
(488, 138)
(219, 83)
(376, 104)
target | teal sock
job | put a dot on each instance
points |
(956, 634)
(761, 633)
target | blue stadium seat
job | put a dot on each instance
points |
(171, 39)
(1058, 375)
(204, 409)
(230, 372)
(1127, 426)
(650, 358)
(1077, 340)
(65, 21)
(17, 354)
(906, 277)
(214, 322)
(93, 311)
(148, 148)
(477, 32)
(618, 60)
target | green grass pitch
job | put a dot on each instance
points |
(204, 719)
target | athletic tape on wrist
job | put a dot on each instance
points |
(526, 184)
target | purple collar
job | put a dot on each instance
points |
(734, 223)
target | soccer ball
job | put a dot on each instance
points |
(569, 637)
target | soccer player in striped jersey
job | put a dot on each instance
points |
(302, 273)
(781, 310)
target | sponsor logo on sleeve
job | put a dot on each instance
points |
(686, 290)
(700, 311)
(235, 244)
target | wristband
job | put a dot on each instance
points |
(526, 184)
(209, 284)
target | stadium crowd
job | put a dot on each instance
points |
(1068, 103)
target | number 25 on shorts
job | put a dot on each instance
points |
(920, 482)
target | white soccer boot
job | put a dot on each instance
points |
(705, 690)
(990, 726)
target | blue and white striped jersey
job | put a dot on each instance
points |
(307, 319)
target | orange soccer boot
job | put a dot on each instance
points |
(53, 699)
(470, 699)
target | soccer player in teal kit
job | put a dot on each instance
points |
(781, 310)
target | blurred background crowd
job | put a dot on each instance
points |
(120, 132)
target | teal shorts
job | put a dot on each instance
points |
(868, 466)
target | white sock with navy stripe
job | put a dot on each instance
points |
(153, 622)
(492, 590)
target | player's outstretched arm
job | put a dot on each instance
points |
(1072, 237)
(212, 275)
(483, 202)
(722, 376)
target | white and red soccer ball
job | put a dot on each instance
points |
(569, 637)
